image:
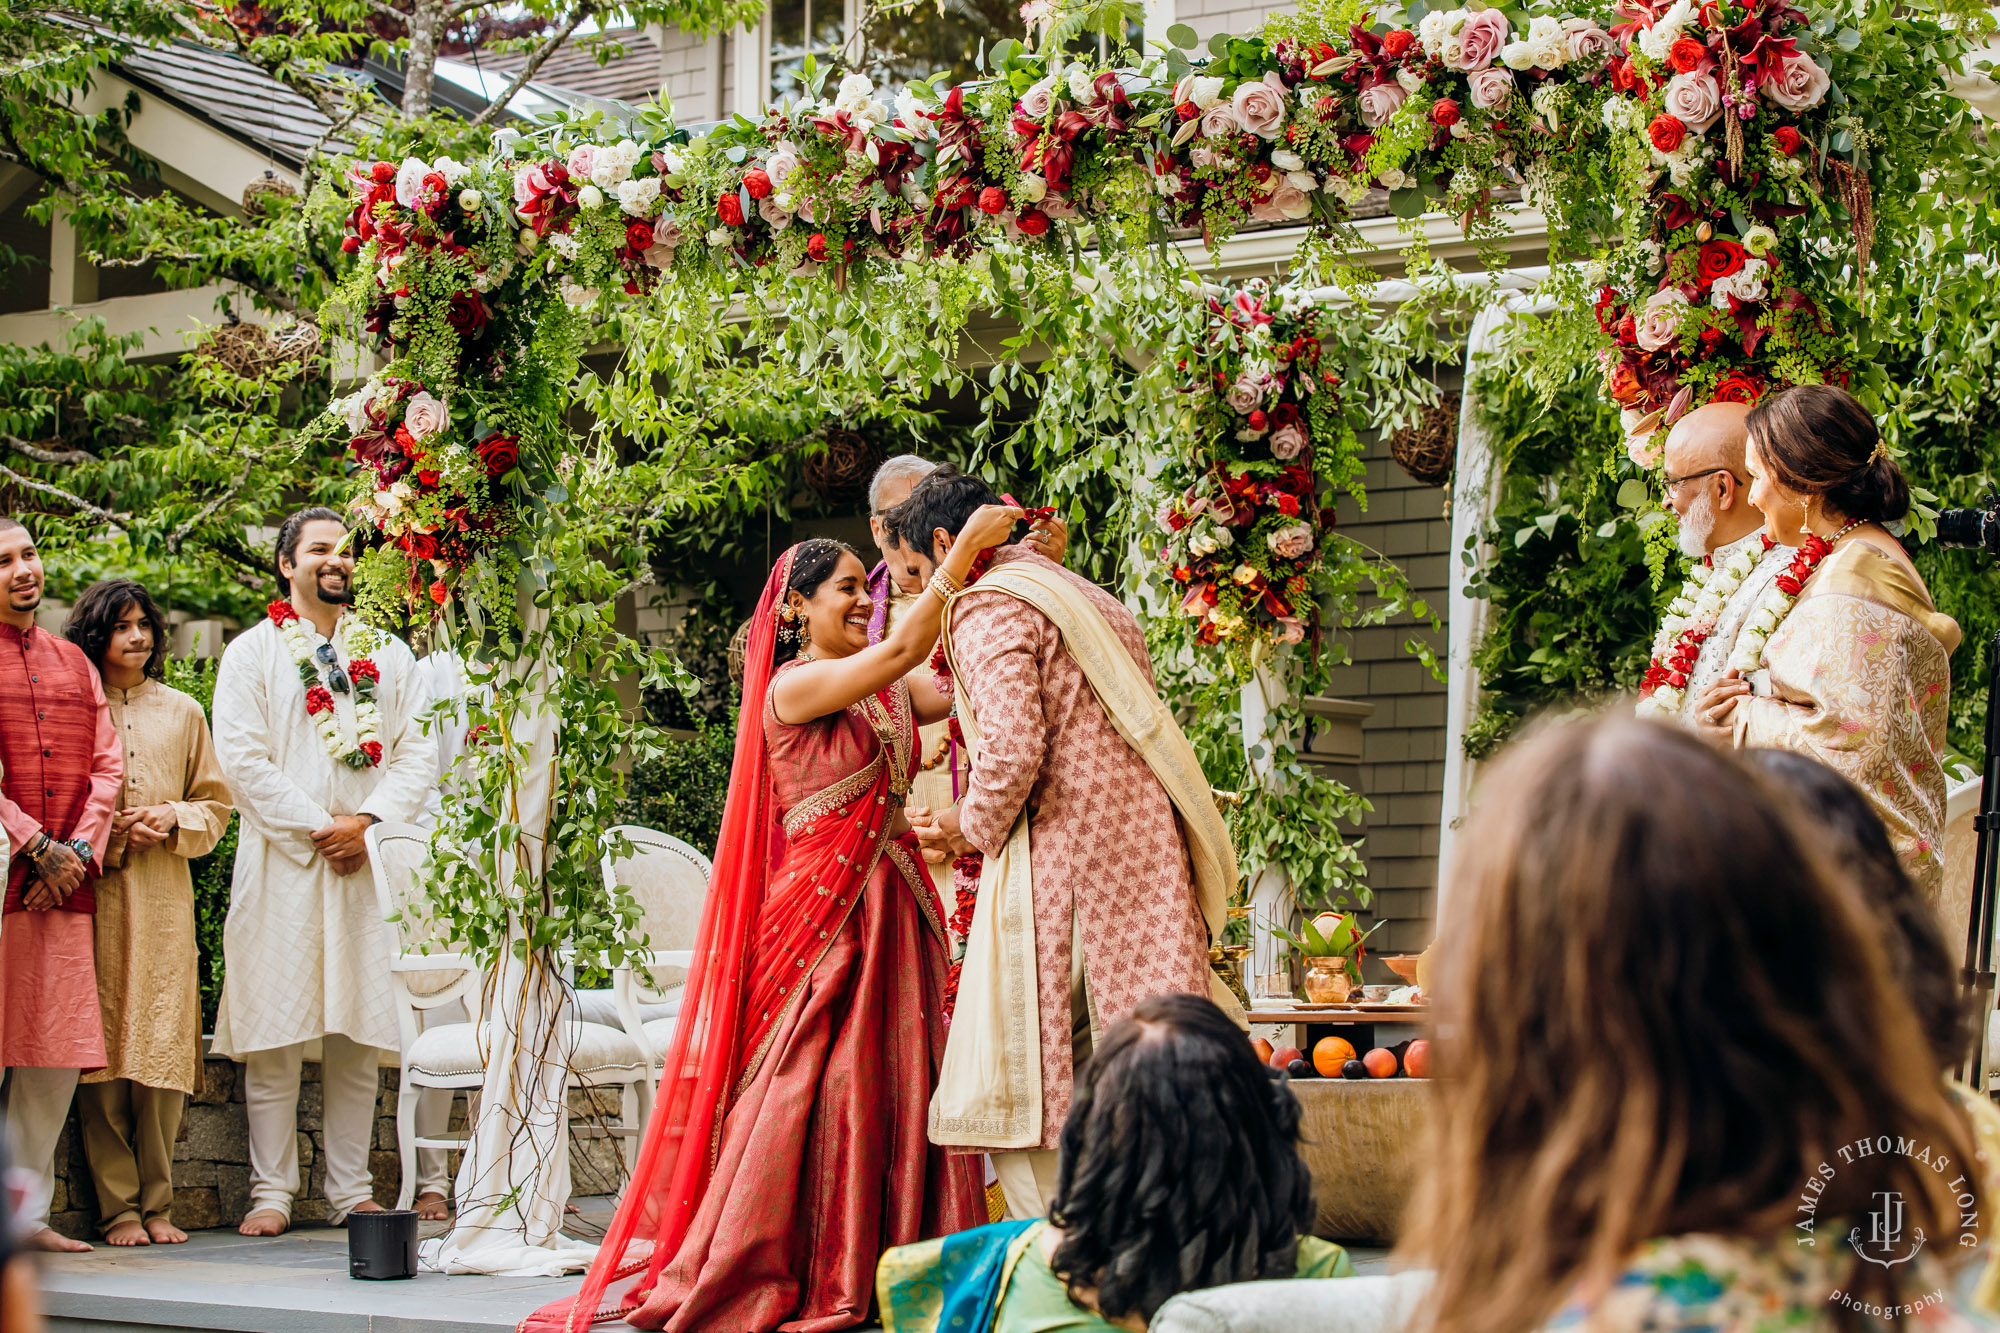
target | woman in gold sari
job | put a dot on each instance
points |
(1849, 661)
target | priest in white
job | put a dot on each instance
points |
(1709, 490)
(318, 724)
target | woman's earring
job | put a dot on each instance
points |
(788, 623)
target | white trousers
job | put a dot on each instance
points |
(348, 1080)
(35, 1103)
(1028, 1177)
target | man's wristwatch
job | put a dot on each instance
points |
(81, 846)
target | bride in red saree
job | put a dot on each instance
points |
(787, 1147)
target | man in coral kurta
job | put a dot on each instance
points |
(63, 767)
(304, 950)
(1115, 916)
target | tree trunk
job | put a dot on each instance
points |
(427, 21)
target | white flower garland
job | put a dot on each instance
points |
(1693, 613)
(354, 640)
(1779, 598)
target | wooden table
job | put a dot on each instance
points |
(1365, 1028)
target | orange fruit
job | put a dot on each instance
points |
(1330, 1053)
(1380, 1063)
(1284, 1055)
(1263, 1049)
(1417, 1060)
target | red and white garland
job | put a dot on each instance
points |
(1690, 619)
(355, 640)
(1777, 602)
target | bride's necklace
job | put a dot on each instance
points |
(1780, 597)
(1691, 617)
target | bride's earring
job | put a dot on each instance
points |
(789, 630)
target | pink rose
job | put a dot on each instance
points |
(1260, 107)
(780, 165)
(1490, 88)
(768, 209)
(1378, 102)
(410, 181)
(1201, 155)
(425, 415)
(1035, 103)
(581, 159)
(524, 188)
(1288, 203)
(1799, 85)
(1480, 40)
(1660, 321)
(660, 254)
(1585, 39)
(1288, 442)
(1695, 99)
(1220, 122)
(1246, 395)
(1291, 541)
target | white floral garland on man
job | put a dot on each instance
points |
(355, 640)
(1691, 617)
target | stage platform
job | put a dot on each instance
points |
(298, 1283)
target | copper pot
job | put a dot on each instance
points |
(1327, 981)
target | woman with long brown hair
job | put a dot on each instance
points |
(1846, 659)
(1670, 1054)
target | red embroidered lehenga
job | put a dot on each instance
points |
(787, 1147)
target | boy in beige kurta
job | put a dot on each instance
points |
(147, 986)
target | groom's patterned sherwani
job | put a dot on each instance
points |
(1104, 841)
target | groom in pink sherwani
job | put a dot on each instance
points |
(1110, 866)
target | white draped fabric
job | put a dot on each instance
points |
(304, 944)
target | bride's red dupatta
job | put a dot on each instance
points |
(752, 954)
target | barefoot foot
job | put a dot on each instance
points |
(52, 1242)
(264, 1222)
(432, 1207)
(127, 1233)
(164, 1232)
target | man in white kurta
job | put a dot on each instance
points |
(1708, 489)
(305, 954)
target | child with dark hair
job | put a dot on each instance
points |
(173, 807)
(1180, 1170)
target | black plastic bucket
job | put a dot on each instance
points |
(382, 1244)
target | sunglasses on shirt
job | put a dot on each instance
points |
(336, 679)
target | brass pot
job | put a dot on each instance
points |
(1326, 980)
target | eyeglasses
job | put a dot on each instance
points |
(336, 679)
(1675, 483)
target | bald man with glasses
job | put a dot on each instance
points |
(1709, 492)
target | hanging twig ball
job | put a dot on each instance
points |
(839, 471)
(1428, 448)
(242, 348)
(739, 649)
(299, 343)
(264, 191)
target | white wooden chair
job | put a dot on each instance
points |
(669, 881)
(427, 972)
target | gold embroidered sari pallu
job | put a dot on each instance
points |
(989, 1090)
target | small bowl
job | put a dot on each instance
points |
(1376, 994)
(1404, 966)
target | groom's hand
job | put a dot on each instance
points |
(939, 835)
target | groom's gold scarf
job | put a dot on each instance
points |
(990, 1088)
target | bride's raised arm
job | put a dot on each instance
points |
(834, 675)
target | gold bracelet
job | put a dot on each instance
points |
(944, 585)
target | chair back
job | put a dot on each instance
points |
(1960, 838)
(396, 856)
(669, 882)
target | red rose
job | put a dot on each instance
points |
(467, 315)
(1033, 222)
(1257, 419)
(1395, 42)
(1788, 139)
(1719, 258)
(419, 545)
(1623, 77)
(1789, 585)
(730, 209)
(1666, 132)
(405, 441)
(1686, 54)
(1622, 384)
(816, 248)
(383, 173)
(281, 612)
(1444, 113)
(1288, 505)
(1737, 387)
(1626, 331)
(639, 234)
(318, 699)
(992, 199)
(373, 749)
(429, 479)
(498, 453)
(758, 182)
(1187, 111)
(362, 668)
(436, 186)
(1285, 414)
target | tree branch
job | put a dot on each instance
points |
(208, 511)
(534, 65)
(76, 502)
(53, 457)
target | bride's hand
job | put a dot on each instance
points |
(990, 525)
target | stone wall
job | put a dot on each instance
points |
(212, 1155)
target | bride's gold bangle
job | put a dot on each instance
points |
(944, 585)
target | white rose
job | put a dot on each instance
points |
(425, 415)
(1284, 159)
(354, 408)
(1659, 39)
(1409, 79)
(637, 197)
(1518, 55)
(1206, 90)
(856, 92)
(1431, 31)
(719, 236)
(590, 197)
(1302, 180)
(451, 169)
(1552, 53)
(1760, 240)
(410, 180)
(1033, 188)
(1080, 89)
(470, 200)
(671, 155)
(909, 109)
